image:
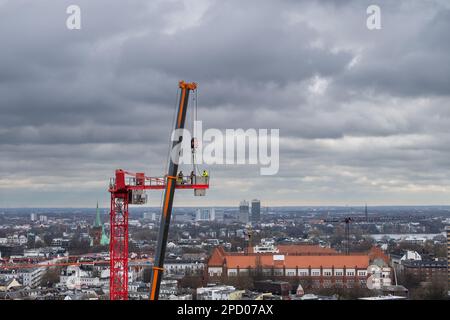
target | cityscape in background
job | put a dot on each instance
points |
(224, 150)
(247, 252)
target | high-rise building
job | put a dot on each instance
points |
(151, 216)
(205, 214)
(256, 210)
(243, 211)
(33, 217)
(219, 215)
(43, 218)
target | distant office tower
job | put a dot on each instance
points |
(34, 217)
(43, 218)
(205, 214)
(243, 211)
(219, 215)
(256, 210)
(152, 216)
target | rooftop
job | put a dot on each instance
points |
(336, 261)
(425, 264)
(233, 260)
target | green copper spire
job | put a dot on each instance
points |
(105, 239)
(97, 222)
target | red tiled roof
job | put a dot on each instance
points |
(304, 249)
(301, 256)
(217, 257)
(378, 253)
(293, 261)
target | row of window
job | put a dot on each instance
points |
(361, 273)
(184, 267)
(327, 273)
(328, 283)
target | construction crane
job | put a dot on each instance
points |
(347, 221)
(347, 234)
(365, 219)
(129, 189)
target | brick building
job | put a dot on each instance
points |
(426, 270)
(321, 267)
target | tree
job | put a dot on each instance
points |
(409, 280)
(51, 277)
(38, 244)
(48, 239)
(77, 246)
(440, 250)
(363, 245)
(192, 282)
(240, 282)
(436, 290)
(338, 236)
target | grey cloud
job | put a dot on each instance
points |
(75, 105)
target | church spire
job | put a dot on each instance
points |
(97, 222)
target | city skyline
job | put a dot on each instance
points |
(295, 248)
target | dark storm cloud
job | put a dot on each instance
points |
(362, 114)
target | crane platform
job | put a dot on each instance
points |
(125, 180)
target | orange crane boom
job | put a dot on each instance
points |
(161, 243)
(129, 188)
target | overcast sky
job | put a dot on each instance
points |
(364, 115)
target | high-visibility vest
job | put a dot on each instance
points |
(205, 173)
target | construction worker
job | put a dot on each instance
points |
(192, 176)
(205, 174)
(180, 177)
